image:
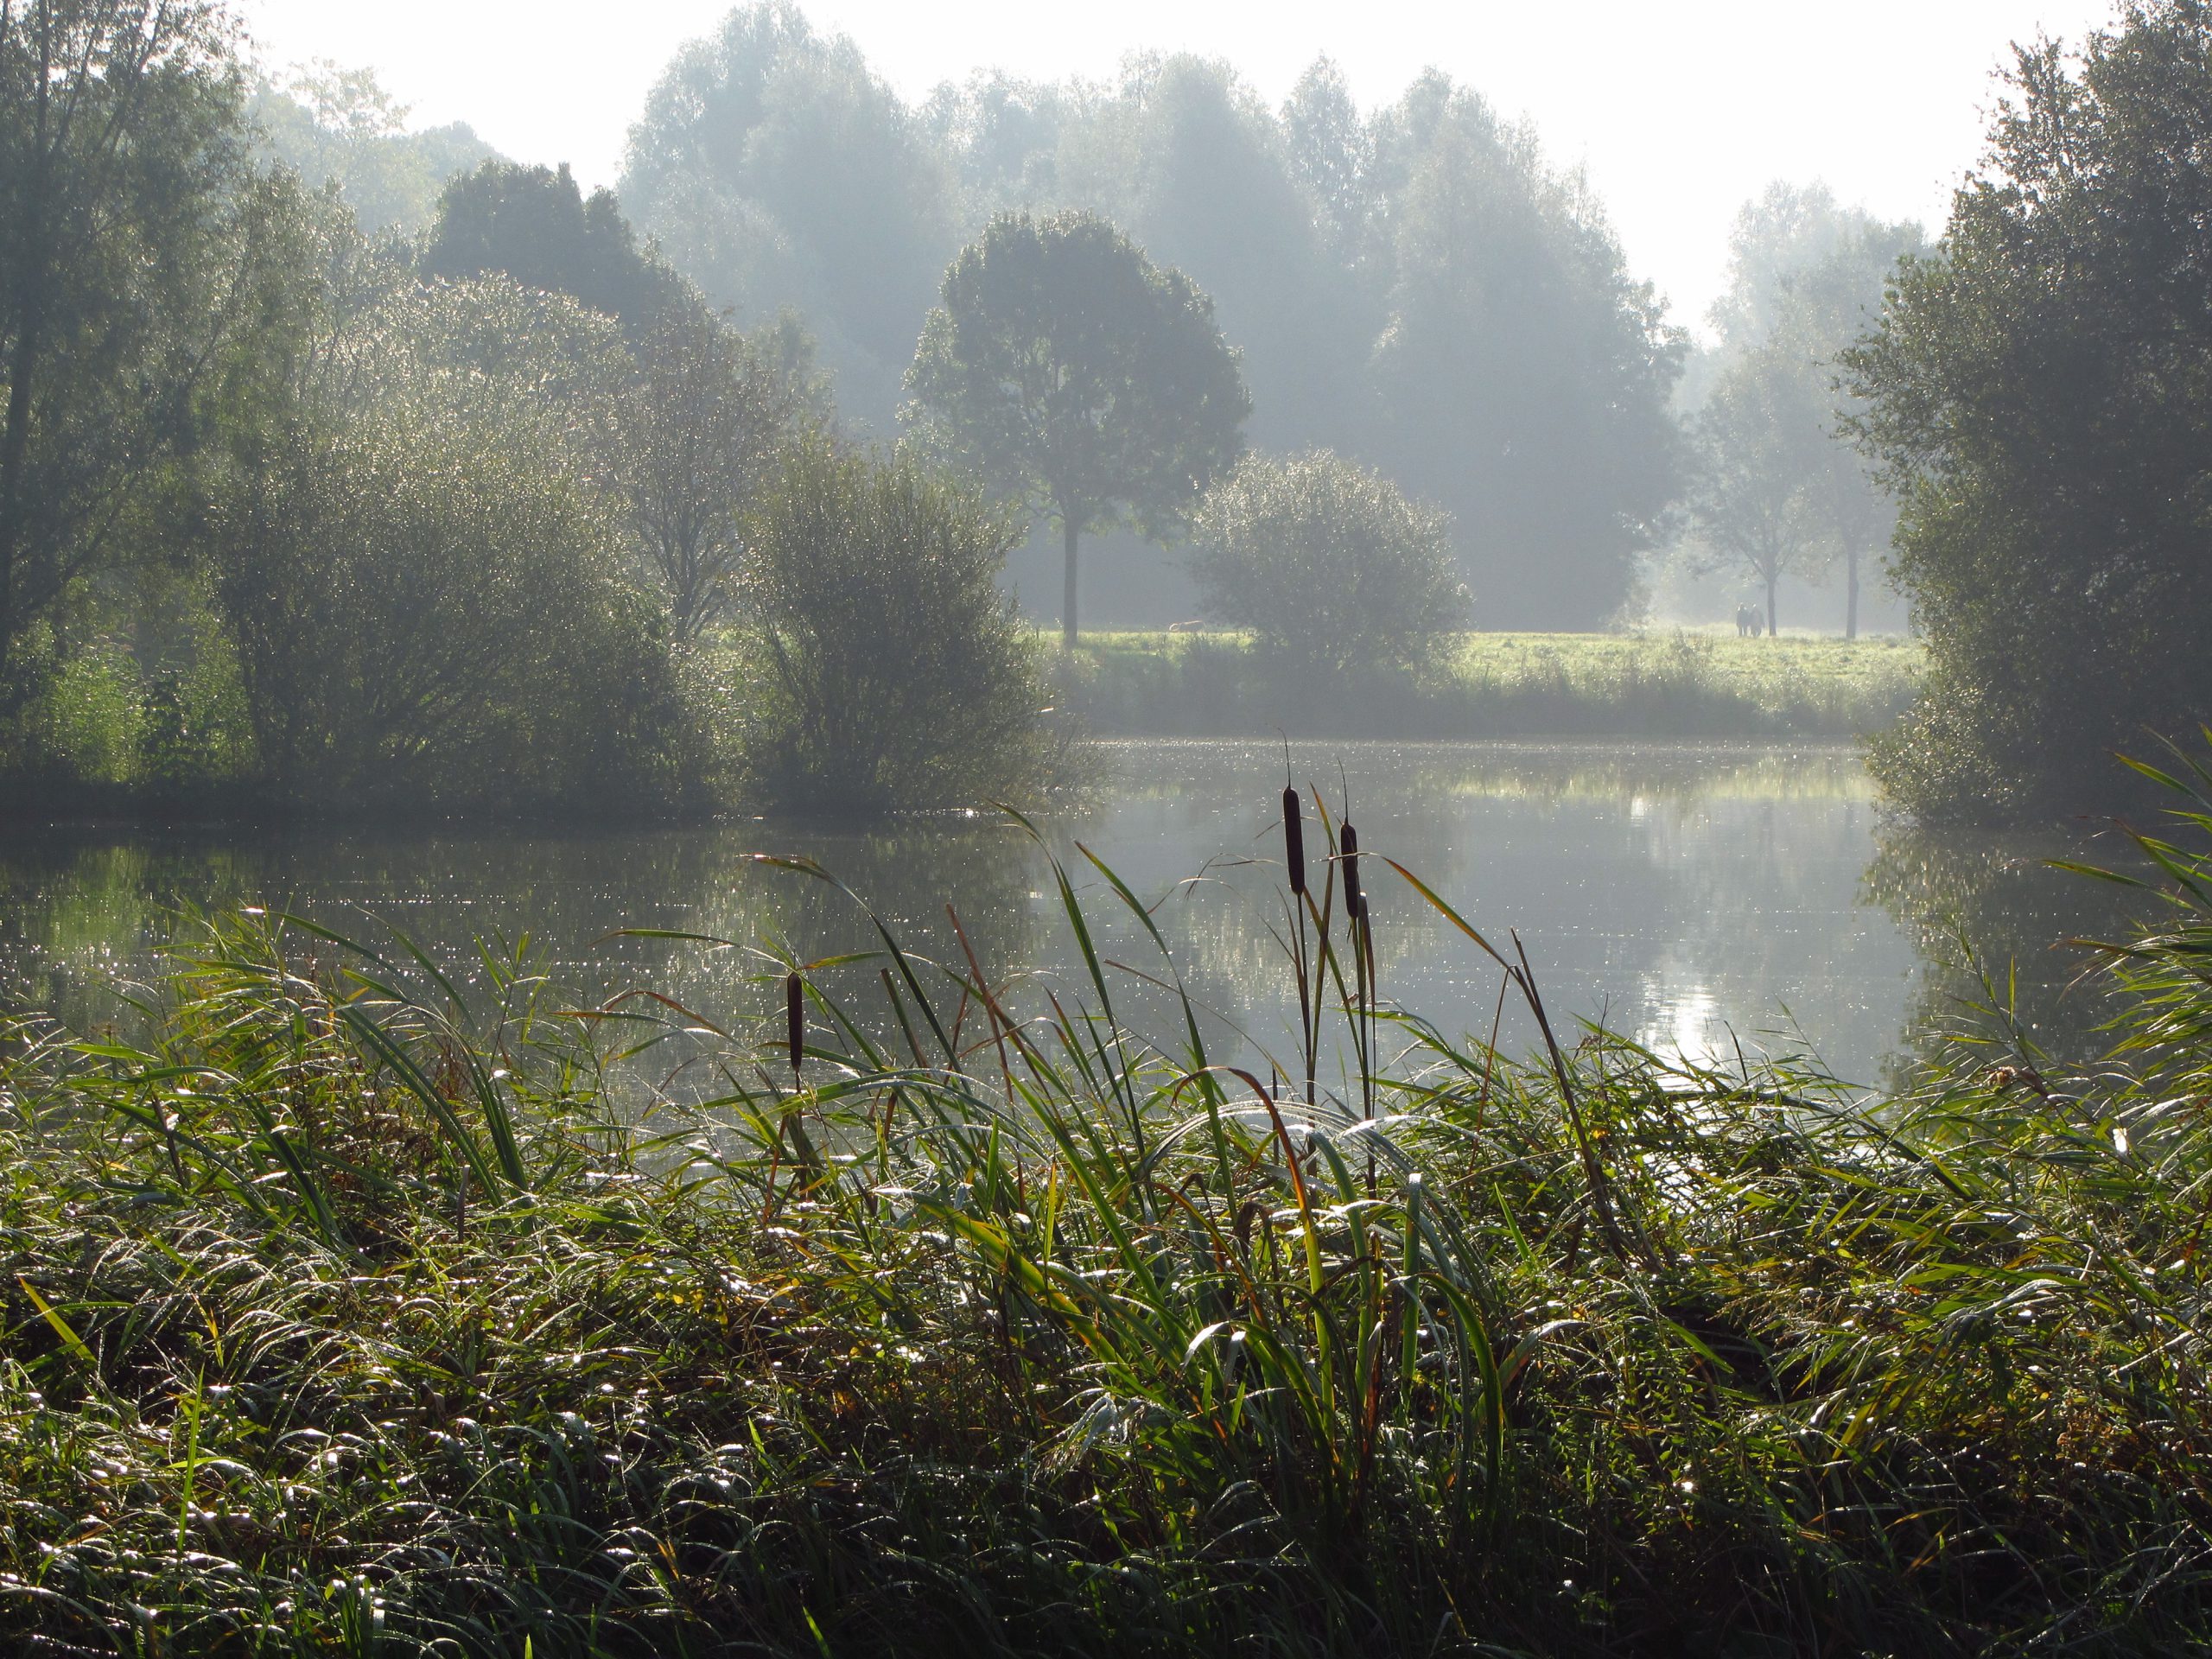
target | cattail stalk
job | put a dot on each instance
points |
(1293, 840)
(794, 1018)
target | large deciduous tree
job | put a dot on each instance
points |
(1077, 374)
(2041, 393)
(126, 209)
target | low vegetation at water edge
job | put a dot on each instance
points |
(354, 1313)
(1660, 684)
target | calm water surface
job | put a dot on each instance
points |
(1695, 897)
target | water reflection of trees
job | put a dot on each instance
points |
(1652, 885)
(79, 916)
(1992, 921)
(1687, 895)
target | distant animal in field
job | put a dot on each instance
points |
(1749, 623)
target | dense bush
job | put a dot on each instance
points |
(1328, 564)
(900, 672)
(426, 592)
(2037, 391)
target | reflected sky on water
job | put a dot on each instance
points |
(1696, 897)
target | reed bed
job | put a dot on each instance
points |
(1677, 684)
(365, 1312)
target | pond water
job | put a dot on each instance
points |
(1696, 897)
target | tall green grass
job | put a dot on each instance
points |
(369, 1311)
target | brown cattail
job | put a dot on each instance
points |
(1354, 901)
(1293, 840)
(795, 1017)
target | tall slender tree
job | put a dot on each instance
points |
(1764, 452)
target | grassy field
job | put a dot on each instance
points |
(360, 1314)
(1670, 684)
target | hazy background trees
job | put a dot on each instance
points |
(1416, 287)
(778, 171)
(1782, 500)
(337, 126)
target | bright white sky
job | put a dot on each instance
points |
(1680, 109)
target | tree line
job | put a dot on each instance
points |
(354, 498)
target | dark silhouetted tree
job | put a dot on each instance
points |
(534, 225)
(2038, 395)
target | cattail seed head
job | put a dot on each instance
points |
(794, 1018)
(1354, 901)
(1293, 840)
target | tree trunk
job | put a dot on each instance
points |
(1770, 608)
(1068, 525)
(1851, 592)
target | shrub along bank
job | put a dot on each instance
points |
(356, 1315)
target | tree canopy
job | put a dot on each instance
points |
(338, 126)
(1771, 413)
(2037, 395)
(1074, 373)
(131, 233)
(535, 225)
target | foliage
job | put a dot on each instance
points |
(1522, 376)
(899, 673)
(424, 588)
(697, 432)
(1780, 482)
(534, 225)
(352, 1314)
(1328, 564)
(1415, 287)
(1073, 373)
(338, 126)
(778, 171)
(2035, 393)
(130, 263)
